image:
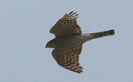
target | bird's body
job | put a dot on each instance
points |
(69, 40)
(73, 40)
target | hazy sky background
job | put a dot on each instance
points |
(24, 32)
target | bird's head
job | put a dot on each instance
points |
(51, 44)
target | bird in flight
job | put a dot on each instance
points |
(69, 41)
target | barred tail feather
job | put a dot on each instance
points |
(102, 34)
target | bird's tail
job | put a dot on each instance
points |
(101, 34)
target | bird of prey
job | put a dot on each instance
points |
(69, 40)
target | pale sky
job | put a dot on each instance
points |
(24, 32)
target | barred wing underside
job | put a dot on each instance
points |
(68, 58)
(66, 26)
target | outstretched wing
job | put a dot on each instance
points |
(66, 26)
(68, 58)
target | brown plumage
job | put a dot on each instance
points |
(69, 40)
